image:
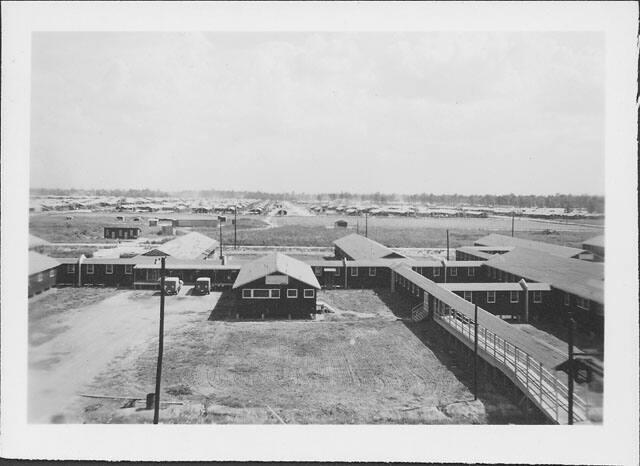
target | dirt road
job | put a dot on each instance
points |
(86, 340)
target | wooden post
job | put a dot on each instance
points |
(156, 400)
(570, 371)
(235, 227)
(447, 248)
(475, 354)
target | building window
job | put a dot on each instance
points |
(71, 268)
(90, 269)
(292, 293)
(309, 293)
(318, 271)
(372, 271)
(454, 271)
(472, 272)
(491, 296)
(109, 268)
(468, 295)
(246, 294)
(40, 277)
(354, 271)
(436, 271)
(52, 273)
(514, 296)
(128, 269)
(583, 303)
(537, 296)
(275, 293)
(260, 294)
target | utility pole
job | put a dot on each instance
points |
(366, 224)
(513, 216)
(447, 244)
(220, 225)
(475, 353)
(156, 399)
(570, 370)
(235, 227)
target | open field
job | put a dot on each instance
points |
(319, 231)
(359, 365)
(408, 232)
(88, 227)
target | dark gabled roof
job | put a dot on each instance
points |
(276, 263)
(360, 248)
(597, 241)
(575, 276)
(501, 240)
(39, 263)
(187, 247)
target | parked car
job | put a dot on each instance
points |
(203, 285)
(172, 285)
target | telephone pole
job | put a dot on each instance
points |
(156, 398)
(366, 224)
(513, 217)
(235, 227)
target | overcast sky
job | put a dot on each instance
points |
(318, 112)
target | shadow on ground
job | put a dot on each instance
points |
(499, 407)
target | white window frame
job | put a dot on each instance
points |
(40, 277)
(468, 296)
(454, 271)
(517, 297)
(128, 269)
(537, 296)
(567, 299)
(52, 273)
(274, 293)
(436, 271)
(90, 269)
(372, 271)
(108, 269)
(471, 272)
(292, 292)
(491, 296)
(71, 268)
(309, 293)
(246, 293)
(354, 271)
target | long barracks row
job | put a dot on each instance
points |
(555, 284)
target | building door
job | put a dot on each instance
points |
(328, 279)
(113, 235)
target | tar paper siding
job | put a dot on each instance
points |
(42, 281)
(504, 307)
(276, 307)
(67, 274)
(100, 277)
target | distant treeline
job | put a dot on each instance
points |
(564, 201)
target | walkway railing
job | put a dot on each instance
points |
(540, 385)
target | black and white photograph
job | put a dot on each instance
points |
(297, 227)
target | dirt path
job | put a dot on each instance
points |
(88, 339)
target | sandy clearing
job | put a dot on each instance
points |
(91, 338)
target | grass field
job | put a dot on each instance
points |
(362, 364)
(319, 230)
